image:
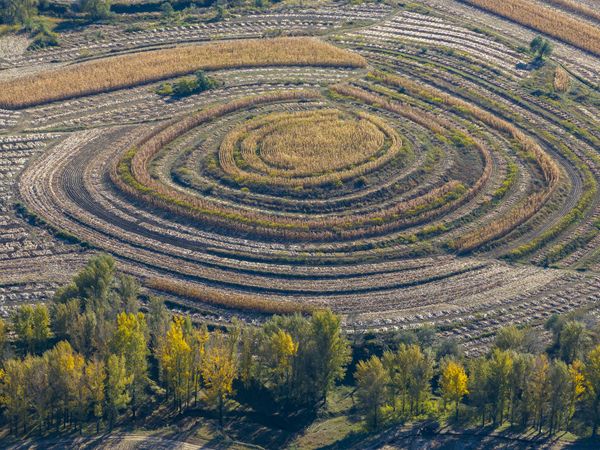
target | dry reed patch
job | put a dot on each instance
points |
(320, 145)
(130, 70)
(562, 81)
(308, 148)
(216, 297)
(547, 20)
(577, 8)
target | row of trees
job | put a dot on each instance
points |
(92, 356)
(514, 382)
(24, 12)
(17, 11)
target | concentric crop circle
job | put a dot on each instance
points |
(346, 172)
(307, 148)
(378, 193)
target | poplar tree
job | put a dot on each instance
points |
(372, 381)
(117, 383)
(453, 383)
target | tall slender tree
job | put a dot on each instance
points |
(453, 383)
(218, 373)
(372, 381)
(130, 341)
(117, 382)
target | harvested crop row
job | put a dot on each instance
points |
(216, 297)
(547, 20)
(130, 70)
(547, 165)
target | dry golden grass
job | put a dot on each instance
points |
(308, 148)
(577, 8)
(562, 81)
(131, 70)
(216, 297)
(319, 144)
(547, 20)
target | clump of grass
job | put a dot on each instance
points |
(562, 81)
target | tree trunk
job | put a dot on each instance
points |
(221, 411)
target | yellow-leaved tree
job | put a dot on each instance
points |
(283, 348)
(577, 386)
(218, 372)
(453, 383)
(174, 356)
(592, 387)
(131, 341)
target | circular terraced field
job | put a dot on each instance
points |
(397, 193)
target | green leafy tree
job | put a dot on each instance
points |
(501, 364)
(95, 376)
(167, 10)
(541, 48)
(15, 12)
(130, 341)
(420, 372)
(510, 338)
(574, 341)
(3, 340)
(559, 396)
(64, 316)
(117, 383)
(592, 387)
(331, 349)
(96, 9)
(159, 320)
(32, 325)
(92, 285)
(197, 340)
(37, 387)
(518, 379)
(128, 289)
(372, 381)
(539, 389)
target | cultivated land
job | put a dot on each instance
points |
(399, 165)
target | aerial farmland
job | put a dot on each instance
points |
(400, 164)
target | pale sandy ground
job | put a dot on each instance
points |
(13, 45)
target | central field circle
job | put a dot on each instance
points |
(307, 147)
(315, 145)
